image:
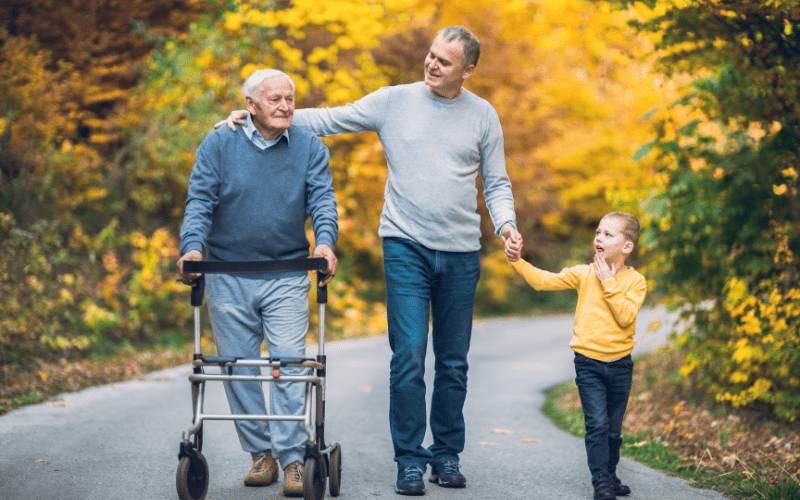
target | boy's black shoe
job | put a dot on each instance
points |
(603, 487)
(446, 472)
(409, 480)
(620, 489)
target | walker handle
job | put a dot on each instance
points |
(198, 287)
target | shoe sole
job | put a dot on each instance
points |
(413, 493)
(452, 484)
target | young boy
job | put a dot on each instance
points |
(609, 297)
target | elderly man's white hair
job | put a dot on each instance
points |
(252, 86)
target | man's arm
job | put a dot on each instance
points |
(496, 184)
(365, 114)
(321, 206)
(201, 201)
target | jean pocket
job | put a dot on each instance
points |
(580, 359)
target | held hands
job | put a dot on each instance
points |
(602, 269)
(512, 240)
(236, 116)
(190, 255)
(326, 252)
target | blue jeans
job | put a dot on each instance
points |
(421, 281)
(244, 311)
(604, 389)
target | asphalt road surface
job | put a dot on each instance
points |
(121, 441)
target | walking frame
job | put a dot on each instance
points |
(321, 461)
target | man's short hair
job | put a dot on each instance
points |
(630, 225)
(252, 86)
(469, 42)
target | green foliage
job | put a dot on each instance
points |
(752, 47)
(66, 294)
(723, 228)
(783, 491)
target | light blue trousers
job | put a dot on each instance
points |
(244, 311)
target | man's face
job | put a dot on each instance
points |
(272, 112)
(444, 68)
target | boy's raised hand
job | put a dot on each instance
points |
(512, 240)
(602, 269)
(236, 116)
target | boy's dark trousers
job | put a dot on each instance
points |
(604, 389)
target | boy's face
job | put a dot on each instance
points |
(609, 242)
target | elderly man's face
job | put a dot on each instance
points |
(272, 112)
(444, 68)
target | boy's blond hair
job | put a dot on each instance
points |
(631, 228)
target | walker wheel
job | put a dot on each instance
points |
(192, 478)
(335, 472)
(313, 480)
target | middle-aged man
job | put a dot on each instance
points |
(250, 193)
(437, 136)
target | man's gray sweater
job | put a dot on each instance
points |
(434, 148)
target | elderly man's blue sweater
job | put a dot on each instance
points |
(251, 204)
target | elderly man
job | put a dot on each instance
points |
(437, 137)
(250, 193)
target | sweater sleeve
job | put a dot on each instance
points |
(365, 114)
(321, 199)
(203, 196)
(624, 299)
(496, 184)
(547, 281)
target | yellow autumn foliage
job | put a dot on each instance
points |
(112, 161)
(753, 361)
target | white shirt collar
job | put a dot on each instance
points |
(256, 138)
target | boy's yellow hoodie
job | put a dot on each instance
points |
(605, 317)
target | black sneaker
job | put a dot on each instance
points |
(620, 489)
(446, 472)
(603, 488)
(409, 480)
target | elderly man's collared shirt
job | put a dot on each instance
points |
(255, 136)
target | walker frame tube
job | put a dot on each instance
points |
(315, 380)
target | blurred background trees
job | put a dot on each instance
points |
(722, 222)
(103, 106)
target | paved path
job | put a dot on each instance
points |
(121, 441)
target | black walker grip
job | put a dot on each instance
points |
(261, 266)
(198, 287)
(322, 290)
(254, 266)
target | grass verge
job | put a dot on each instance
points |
(669, 427)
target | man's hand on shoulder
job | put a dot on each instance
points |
(327, 252)
(237, 116)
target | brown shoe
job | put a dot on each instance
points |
(293, 480)
(263, 473)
